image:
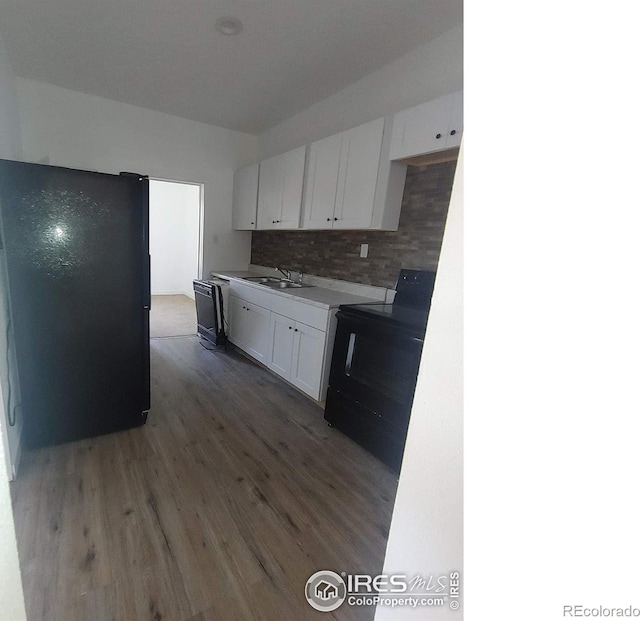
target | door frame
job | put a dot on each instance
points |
(200, 217)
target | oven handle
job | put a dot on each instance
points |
(350, 348)
(361, 324)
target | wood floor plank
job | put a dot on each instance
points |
(221, 507)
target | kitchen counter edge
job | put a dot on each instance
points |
(308, 295)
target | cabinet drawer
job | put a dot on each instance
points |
(251, 294)
(299, 311)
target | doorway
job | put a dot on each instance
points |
(175, 246)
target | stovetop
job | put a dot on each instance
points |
(410, 309)
(408, 317)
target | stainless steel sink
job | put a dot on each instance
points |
(262, 279)
(275, 283)
(285, 284)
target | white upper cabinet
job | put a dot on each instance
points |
(358, 176)
(350, 182)
(245, 197)
(433, 126)
(292, 180)
(270, 193)
(454, 131)
(322, 182)
(280, 190)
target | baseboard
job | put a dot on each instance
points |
(167, 293)
(189, 294)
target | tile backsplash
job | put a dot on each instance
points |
(336, 254)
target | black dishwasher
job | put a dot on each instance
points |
(210, 310)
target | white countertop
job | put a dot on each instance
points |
(316, 296)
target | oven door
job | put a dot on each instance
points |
(376, 365)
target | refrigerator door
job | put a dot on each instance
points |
(78, 265)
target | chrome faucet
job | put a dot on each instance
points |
(285, 273)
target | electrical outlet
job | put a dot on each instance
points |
(364, 250)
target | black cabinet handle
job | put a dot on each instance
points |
(453, 132)
(438, 136)
(253, 223)
(335, 218)
(296, 330)
(328, 219)
(289, 327)
(273, 221)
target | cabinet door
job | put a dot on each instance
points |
(270, 193)
(422, 129)
(245, 197)
(236, 319)
(308, 355)
(359, 162)
(255, 327)
(280, 345)
(322, 182)
(454, 132)
(292, 178)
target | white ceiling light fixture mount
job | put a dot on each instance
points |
(229, 25)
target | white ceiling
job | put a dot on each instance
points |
(166, 54)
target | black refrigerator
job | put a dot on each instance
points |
(77, 257)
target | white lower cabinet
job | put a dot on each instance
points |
(249, 328)
(307, 359)
(296, 351)
(281, 345)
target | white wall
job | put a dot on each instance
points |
(66, 128)
(174, 220)
(11, 596)
(429, 71)
(426, 533)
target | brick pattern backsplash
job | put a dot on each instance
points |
(336, 254)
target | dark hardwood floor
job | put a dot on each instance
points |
(220, 507)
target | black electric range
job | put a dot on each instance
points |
(374, 367)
